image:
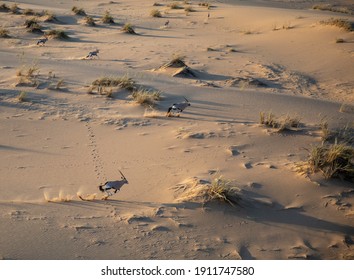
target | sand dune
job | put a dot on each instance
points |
(62, 134)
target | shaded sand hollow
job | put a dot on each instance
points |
(56, 140)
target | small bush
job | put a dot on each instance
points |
(90, 21)
(14, 9)
(332, 160)
(4, 8)
(189, 9)
(145, 96)
(205, 4)
(57, 34)
(341, 23)
(128, 28)
(28, 12)
(4, 33)
(78, 11)
(340, 40)
(174, 6)
(122, 82)
(155, 13)
(284, 123)
(22, 96)
(332, 8)
(107, 18)
(49, 17)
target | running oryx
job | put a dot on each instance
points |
(113, 185)
(42, 41)
(177, 108)
(92, 54)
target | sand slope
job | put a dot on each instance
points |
(62, 141)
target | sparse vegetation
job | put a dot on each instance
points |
(57, 34)
(90, 21)
(22, 96)
(101, 84)
(29, 12)
(4, 33)
(340, 135)
(33, 26)
(284, 123)
(333, 8)
(332, 160)
(4, 8)
(78, 11)
(107, 18)
(339, 22)
(155, 13)
(340, 40)
(49, 17)
(205, 4)
(174, 6)
(128, 28)
(189, 9)
(146, 96)
(14, 9)
(156, 4)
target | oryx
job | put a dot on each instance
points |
(42, 41)
(177, 108)
(92, 54)
(113, 185)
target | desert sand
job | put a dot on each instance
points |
(60, 138)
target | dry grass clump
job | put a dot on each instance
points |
(4, 33)
(333, 8)
(189, 9)
(90, 21)
(156, 4)
(332, 160)
(4, 8)
(78, 11)
(100, 85)
(107, 18)
(29, 12)
(155, 13)
(128, 28)
(22, 96)
(341, 135)
(176, 61)
(145, 96)
(174, 6)
(33, 26)
(202, 191)
(57, 34)
(205, 4)
(49, 17)
(339, 22)
(281, 124)
(14, 9)
(27, 75)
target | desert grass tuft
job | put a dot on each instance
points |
(128, 28)
(4, 33)
(90, 21)
(57, 34)
(340, 40)
(29, 12)
(78, 11)
(145, 96)
(49, 17)
(205, 4)
(155, 13)
(4, 8)
(33, 26)
(281, 124)
(14, 9)
(332, 160)
(174, 6)
(332, 8)
(107, 18)
(339, 22)
(101, 84)
(189, 9)
(22, 96)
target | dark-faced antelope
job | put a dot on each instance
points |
(42, 41)
(115, 186)
(92, 54)
(177, 108)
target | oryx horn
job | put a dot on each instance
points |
(122, 175)
(186, 99)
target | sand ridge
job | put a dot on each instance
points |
(64, 139)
